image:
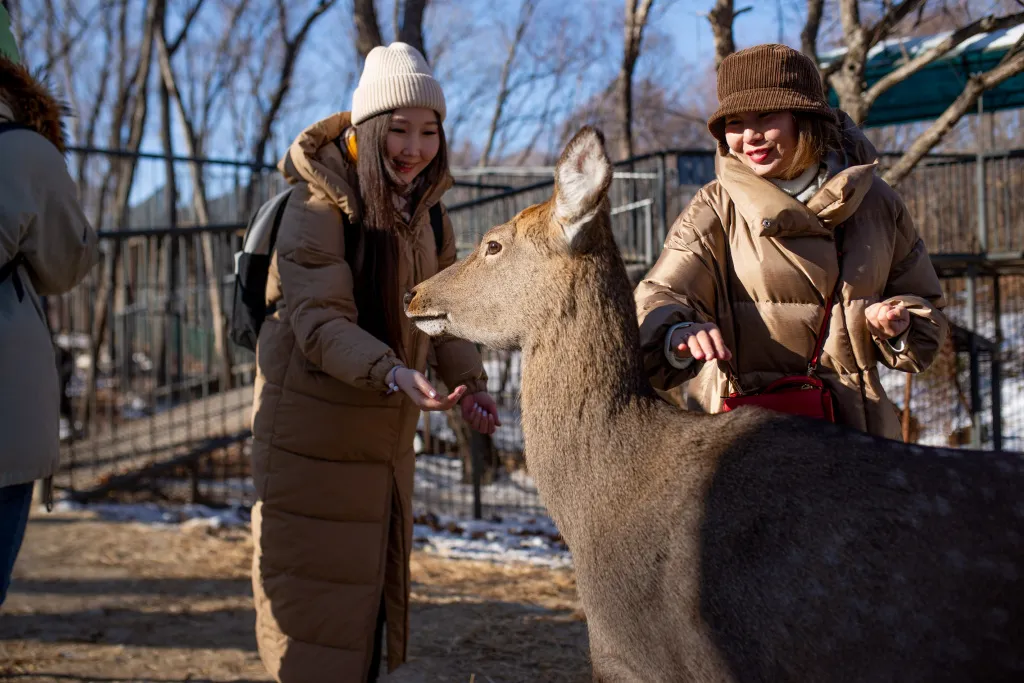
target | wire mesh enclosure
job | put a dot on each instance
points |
(157, 402)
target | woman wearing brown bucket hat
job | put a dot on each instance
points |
(797, 270)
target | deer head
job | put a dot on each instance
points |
(523, 274)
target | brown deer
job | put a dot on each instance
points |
(746, 546)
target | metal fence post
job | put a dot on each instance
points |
(972, 315)
(997, 366)
(662, 199)
(477, 447)
(982, 227)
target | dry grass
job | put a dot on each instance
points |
(106, 601)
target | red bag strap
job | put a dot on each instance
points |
(819, 343)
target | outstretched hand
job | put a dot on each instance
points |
(480, 412)
(417, 387)
(887, 320)
(702, 342)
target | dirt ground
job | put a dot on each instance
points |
(104, 601)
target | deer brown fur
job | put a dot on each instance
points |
(747, 546)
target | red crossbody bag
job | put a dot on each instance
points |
(797, 394)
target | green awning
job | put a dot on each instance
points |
(926, 94)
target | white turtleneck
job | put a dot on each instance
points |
(805, 185)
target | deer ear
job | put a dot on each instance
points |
(582, 176)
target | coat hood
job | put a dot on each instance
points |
(316, 159)
(26, 100)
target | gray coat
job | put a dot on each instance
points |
(43, 225)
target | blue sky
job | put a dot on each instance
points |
(684, 20)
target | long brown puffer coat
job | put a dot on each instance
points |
(332, 456)
(760, 264)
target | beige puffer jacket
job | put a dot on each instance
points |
(333, 458)
(760, 264)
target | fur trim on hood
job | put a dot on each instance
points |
(32, 103)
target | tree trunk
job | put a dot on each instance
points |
(293, 46)
(809, 35)
(637, 12)
(722, 16)
(364, 14)
(907, 394)
(411, 31)
(526, 12)
(124, 175)
(222, 349)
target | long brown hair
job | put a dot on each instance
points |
(377, 294)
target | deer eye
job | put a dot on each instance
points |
(493, 248)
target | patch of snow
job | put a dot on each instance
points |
(529, 540)
(941, 419)
(157, 515)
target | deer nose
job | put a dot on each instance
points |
(408, 297)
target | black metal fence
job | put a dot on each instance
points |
(157, 402)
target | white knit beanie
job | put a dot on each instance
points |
(395, 76)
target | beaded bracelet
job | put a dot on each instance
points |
(392, 384)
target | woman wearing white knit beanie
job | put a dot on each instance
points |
(339, 385)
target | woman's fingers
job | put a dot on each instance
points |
(683, 348)
(703, 343)
(707, 345)
(720, 348)
(696, 350)
(424, 386)
(444, 403)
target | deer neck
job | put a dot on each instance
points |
(583, 387)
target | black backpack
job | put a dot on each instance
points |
(252, 265)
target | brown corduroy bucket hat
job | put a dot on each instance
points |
(767, 78)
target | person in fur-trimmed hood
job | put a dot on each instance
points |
(46, 247)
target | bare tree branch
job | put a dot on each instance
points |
(526, 11)
(411, 31)
(898, 75)
(190, 15)
(367, 29)
(1010, 66)
(124, 171)
(722, 16)
(809, 34)
(637, 12)
(293, 46)
(893, 16)
(88, 132)
(70, 40)
(236, 51)
(170, 91)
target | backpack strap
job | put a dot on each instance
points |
(276, 225)
(10, 270)
(10, 125)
